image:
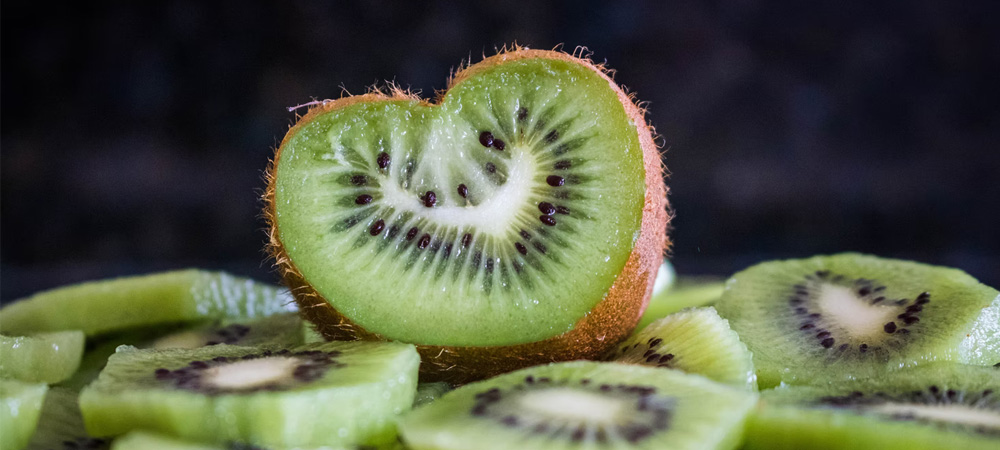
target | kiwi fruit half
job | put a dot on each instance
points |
(519, 219)
(684, 292)
(20, 407)
(846, 316)
(694, 340)
(335, 393)
(44, 357)
(100, 307)
(583, 404)
(942, 405)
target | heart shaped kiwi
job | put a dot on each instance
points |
(519, 219)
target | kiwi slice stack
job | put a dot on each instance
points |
(695, 341)
(336, 393)
(20, 407)
(520, 219)
(848, 316)
(583, 404)
(102, 307)
(45, 357)
(941, 405)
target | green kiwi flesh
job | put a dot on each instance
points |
(694, 340)
(152, 441)
(847, 316)
(20, 407)
(60, 426)
(428, 392)
(500, 216)
(44, 357)
(583, 404)
(335, 393)
(100, 307)
(280, 330)
(684, 292)
(942, 405)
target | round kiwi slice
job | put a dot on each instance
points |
(520, 219)
(100, 307)
(44, 357)
(695, 340)
(685, 292)
(583, 404)
(335, 393)
(20, 407)
(942, 405)
(847, 316)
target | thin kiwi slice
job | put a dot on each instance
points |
(695, 340)
(100, 307)
(684, 292)
(583, 404)
(941, 405)
(283, 398)
(152, 441)
(520, 219)
(846, 316)
(44, 357)
(280, 330)
(60, 426)
(20, 407)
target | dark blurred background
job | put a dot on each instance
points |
(134, 136)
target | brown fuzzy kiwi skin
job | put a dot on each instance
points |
(601, 329)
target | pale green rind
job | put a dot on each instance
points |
(786, 419)
(20, 407)
(686, 292)
(354, 404)
(965, 326)
(707, 415)
(701, 342)
(45, 357)
(99, 307)
(340, 265)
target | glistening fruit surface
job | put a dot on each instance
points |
(500, 216)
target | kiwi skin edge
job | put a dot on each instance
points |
(608, 323)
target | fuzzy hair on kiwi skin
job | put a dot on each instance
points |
(608, 323)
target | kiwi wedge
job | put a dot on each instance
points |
(44, 357)
(100, 307)
(694, 340)
(847, 316)
(583, 404)
(684, 292)
(335, 393)
(942, 405)
(20, 406)
(60, 426)
(519, 219)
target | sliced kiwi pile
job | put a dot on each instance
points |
(847, 316)
(695, 341)
(934, 406)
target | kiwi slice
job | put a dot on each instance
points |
(60, 426)
(428, 392)
(520, 219)
(583, 404)
(281, 330)
(847, 316)
(695, 341)
(335, 393)
(942, 405)
(44, 357)
(100, 307)
(152, 441)
(20, 406)
(685, 292)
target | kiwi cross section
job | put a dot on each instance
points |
(500, 215)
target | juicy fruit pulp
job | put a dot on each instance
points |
(847, 316)
(20, 407)
(45, 357)
(334, 393)
(583, 404)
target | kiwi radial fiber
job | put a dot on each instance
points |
(518, 220)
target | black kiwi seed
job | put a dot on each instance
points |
(486, 138)
(363, 199)
(522, 113)
(498, 144)
(491, 168)
(376, 227)
(424, 240)
(466, 239)
(555, 180)
(890, 327)
(562, 165)
(521, 248)
(429, 198)
(552, 136)
(412, 233)
(463, 190)
(359, 180)
(562, 210)
(382, 160)
(548, 220)
(546, 208)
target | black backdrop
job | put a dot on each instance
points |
(134, 136)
